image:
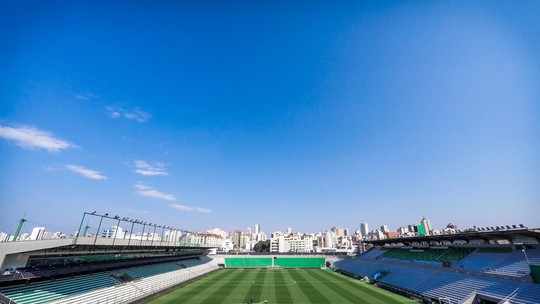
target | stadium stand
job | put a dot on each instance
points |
(47, 291)
(504, 261)
(372, 253)
(142, 288)
(435, 283)
(428, 255)
(106, 285)
(404, 271)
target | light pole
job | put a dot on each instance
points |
(80, 227)
(525, 253)
(99, 226)
(153, 234)
(131, 231)
(142, 235)
(162, 233)
(116, 230)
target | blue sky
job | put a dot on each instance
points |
(309, 114)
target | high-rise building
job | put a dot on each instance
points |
(170, 236)
(257, 228)
(364, 229)
(293, 242)
(289, 230)
(238, 239)
(37, 233)
(403, 230)
(329, 240)
(385, 229)
(427, 225)
(114, 232)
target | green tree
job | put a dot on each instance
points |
(262, 246)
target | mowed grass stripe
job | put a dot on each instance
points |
(283, 294)
(348, 289)
(322, 284)
(267, 290)
(203, 287)
(217, 292)
(192, 289)
(298, 296)
(255, 290)
(238, 294)
(312, 286)
(309, 290)
(352, 294)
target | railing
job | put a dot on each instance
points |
(6, 300)
(131, 291)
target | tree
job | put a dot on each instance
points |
(262, 246)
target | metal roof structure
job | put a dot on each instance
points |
(513, 236)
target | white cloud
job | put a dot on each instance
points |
(189, 209)
(145, 168)
(135, 113)
(30, 137)
(148, 191)
(203, 210)
(112, 112)
(86, 172)
(181, 207)
(86, 96)
(131, 210)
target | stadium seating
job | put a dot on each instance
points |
(142, 288)
(47, 291)
(502, 261)
(372, 253)
(56, 290)
(429, 255)
(440, 282)
(148, 271)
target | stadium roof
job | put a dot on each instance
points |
(513, 236)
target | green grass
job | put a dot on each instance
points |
(279, 286)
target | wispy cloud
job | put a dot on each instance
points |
(86, 96)
(148, 191)
(189, 209)
(147, 169)
(31, 137)
(181, 207)
(131, 210)
(88, 173)
(135, 113)
(203, 210)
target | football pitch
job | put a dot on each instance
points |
(279, 286)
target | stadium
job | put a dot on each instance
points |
(486, 266)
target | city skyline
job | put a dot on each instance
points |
(200, 116)
(120, 228)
